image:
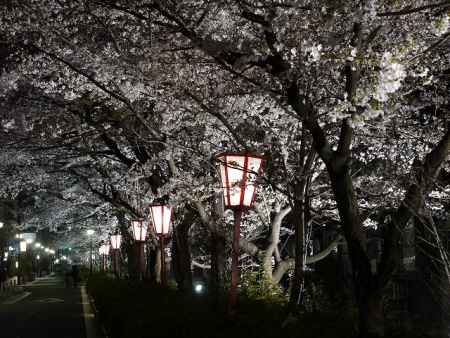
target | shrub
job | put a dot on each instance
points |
(135, 309)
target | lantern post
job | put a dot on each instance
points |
(139, 229)
(238, 175)
(107, 249)
(100, 253)
(22, 251)
(161, 216)
(116, 241)
(104, 251)
(90, 232)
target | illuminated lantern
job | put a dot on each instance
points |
(23, 246)
(161, 216)
(116, 241)
(139, 229)
(238, 178)
(238, 174)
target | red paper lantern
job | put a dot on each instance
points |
(139, 228)
(116, 240)
(238, 174)
(161, 217)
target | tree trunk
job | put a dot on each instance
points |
(181, 253)
(127, 245)
(367, 290)
(371, 316)
(297, 279)
(218, 262)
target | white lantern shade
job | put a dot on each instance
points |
(238, 174)
(23, 246)
(139, 229)
(161, 216)
(116, 241)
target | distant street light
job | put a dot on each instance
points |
(1, 224)
(238, 175)
(161, 215)
(23, 246)
(116, 241)
(22, 250)
(139, 229)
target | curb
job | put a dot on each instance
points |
(94, 328)
(97, 316)
(14, 299)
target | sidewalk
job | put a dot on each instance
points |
(46, 309)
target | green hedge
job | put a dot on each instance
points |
(136, 310)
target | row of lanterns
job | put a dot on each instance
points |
(238, 175)
(161, 218)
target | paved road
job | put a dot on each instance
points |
(50, 311)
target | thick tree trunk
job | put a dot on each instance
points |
(371, 316)
(297, 279)
(218, 263)
(127, 245)
(182, 256)
(367, 290)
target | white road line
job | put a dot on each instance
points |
(17, 299)
(88, 314)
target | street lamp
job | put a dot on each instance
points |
(116, 240)
(103, 251)
(23, 246)
(238, 175)
(90, 232)
(161, 215)
(139, 229)
(22, 250)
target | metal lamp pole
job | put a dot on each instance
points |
(140, 254)
(238, 174)
(161, 216)
(90, 257)
(163, 261)
(90, 232)
(235, 261)
(115, 240)
(139, 229)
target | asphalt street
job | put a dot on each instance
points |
(49, 309)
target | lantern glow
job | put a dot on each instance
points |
(238, 174)
(23, 246)
(116, 240)
(161, 215)
(139, 229)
